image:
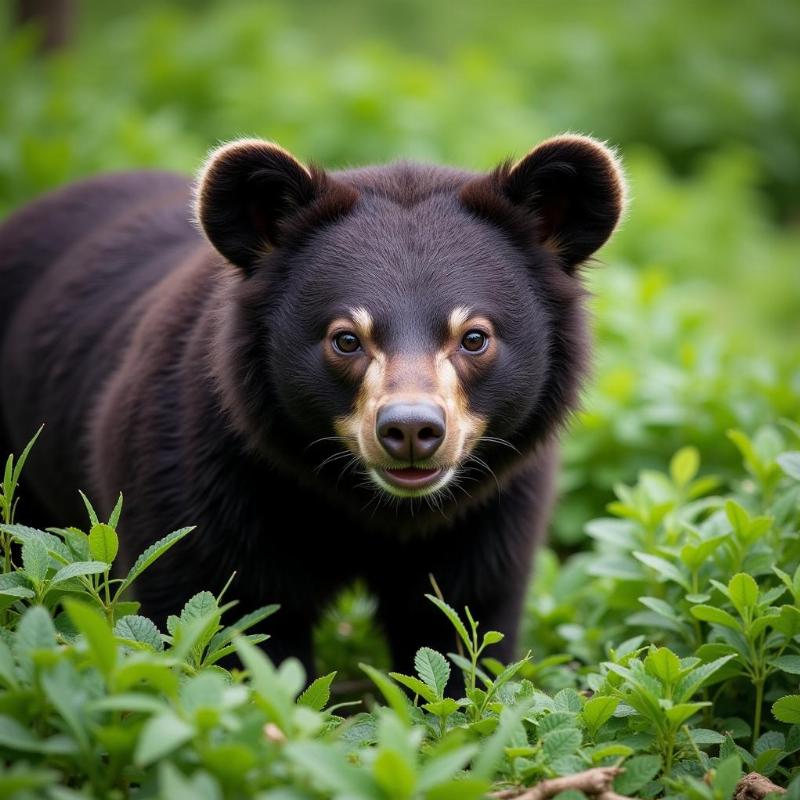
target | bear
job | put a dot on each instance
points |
(332, 374)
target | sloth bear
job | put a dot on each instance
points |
(332, 374)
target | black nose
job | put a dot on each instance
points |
(411, 431)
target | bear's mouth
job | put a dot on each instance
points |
(412, 477)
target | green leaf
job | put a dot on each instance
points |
(103, 543)
(16, 736)
(684, 465)
(316, 696)
(463, 789)
(97, 633)
(35, 631)
(113, 520)
(715, 615)
(330, 770)
(266, 682)
(790, 664)
(89, 509)
(441, 768)
(153, 553)
(175, 786)
(743, 592)
(433, 668)
(680, 712)
(492, 749)
(416, 686)
(394, 696)
(639, 771)
(726, 776)
(664, 665)
(561, 742)
(35, 560)
(597, 711)
(394, 774)
(664, 569)
(787, 709)
(491, 637)
(139, 629)
(77, 569)
(442, 708)
(160, 736)
(455, 620)
(694, 680)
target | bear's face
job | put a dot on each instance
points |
(412, 344)
(423, 324)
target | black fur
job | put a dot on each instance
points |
(199, 388)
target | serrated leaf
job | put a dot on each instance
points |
(103, 543)
(113, 520)
(455, 620)
(152, 553)
(35, 560)
(316, 696)
(433, 669)
(77, 569)
(561, 742)
(567, 700)
(139, 629)
(442, 708)
(416, 686)
(694, 680)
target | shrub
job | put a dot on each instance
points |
(95, 701)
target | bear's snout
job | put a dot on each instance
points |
(411, 432)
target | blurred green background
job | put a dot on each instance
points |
(697, 300)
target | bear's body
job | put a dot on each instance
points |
(211, 394)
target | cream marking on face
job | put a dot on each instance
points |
(458, 318)
(399, 491)
(411, 380)
(363, 321)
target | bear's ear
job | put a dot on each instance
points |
(246, 189)
(573, 188)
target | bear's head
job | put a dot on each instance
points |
(401, 331)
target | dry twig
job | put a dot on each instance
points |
(595, 783)
(754, 787)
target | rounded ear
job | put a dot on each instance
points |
(246, 189)
(574, 189)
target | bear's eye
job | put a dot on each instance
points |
(475, 341)
(346, 342)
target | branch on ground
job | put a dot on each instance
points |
(755, 786)
(595, 783)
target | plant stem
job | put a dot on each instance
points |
(759, 684)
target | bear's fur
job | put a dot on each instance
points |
(205, 376)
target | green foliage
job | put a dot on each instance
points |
(669, 642)
(95, 701)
